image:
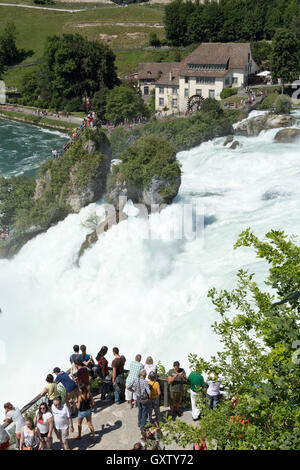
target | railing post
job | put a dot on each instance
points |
(166, 396)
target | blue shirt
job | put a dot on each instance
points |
(68, 383)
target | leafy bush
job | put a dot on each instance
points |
(147, 157)
(283, 105)
(227, 92)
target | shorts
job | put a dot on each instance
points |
(129, 395)
(44, 435)
(175, 397)
(5, 445)
(63, 434)
(84, 414)
(72, 395)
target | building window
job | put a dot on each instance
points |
(198, 91)
(226, 81)
(161, 102)
(161, 90)
(174, 91)
(234, 80)
(186, 79)
(211, 93)
(186, 92)
(146, 90)
(207, 80)
(174, 102)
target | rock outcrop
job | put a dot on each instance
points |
(235, 144)
(228, 140)
(287, 135)
(254, 126)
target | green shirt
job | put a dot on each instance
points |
(197, 381)
(177, 385)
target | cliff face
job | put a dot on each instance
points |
(79, 177)
(254, 126)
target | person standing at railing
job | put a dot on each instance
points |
(134, 373)
(176, 377)
(70, 386)
(4, 438)
(101, 370)
(82, 375)
(197, 384)
(87, 359)
(14, 415)
(50, 389)
(118, 375)
(75, 355)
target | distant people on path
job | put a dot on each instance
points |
(142, 390)
(30, 436)
(62, 422)
(134, 373)
(101, 370)
(82, 375)
(151, 439)
(44, 421)
(50, 389)
(4, 438)
(213, 392)
(74, 356)
(149, 366)
(70, 386)
(197, 385)
(84, 405)
(118, 375)
(155, 394)
(14, 415)
(87, 359)
(176, 378)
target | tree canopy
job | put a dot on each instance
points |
(123, 102)
(187, 22)
(259, 331)
(284, 58)
(72, 68)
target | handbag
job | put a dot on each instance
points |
(144, 399)
(27, 448)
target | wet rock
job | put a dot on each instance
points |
(228, 140)
(254, 126)
(287, 135)
(234, 144)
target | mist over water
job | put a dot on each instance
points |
(145, 295)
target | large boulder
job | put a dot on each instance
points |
(254, 126)
(287, 135)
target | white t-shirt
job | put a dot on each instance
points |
(17, 418)
(61, 416)
(149, 368)
(4, 436)
(44, 426)
(214, 387)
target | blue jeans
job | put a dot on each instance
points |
(213, 401)
(143, 413)
(104, 390)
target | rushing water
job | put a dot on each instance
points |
(143, 294)
(24, 147)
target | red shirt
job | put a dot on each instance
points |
(83, 376)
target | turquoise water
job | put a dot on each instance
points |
(24, 147)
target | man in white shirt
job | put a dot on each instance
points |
(62, 422)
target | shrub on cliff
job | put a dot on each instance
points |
(123, 102)
(148, 157)
(283, 105)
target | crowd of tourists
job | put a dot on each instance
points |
(5, 232)
(89, 121)
(67, 395)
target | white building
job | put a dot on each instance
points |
(206, 71)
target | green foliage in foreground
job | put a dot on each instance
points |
(260, 356)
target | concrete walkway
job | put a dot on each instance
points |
(115, 428)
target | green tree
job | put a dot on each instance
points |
(283, 105)
(28, 87)
(72, 68)
(154, 40)
(124, 103)
(259, 331)
(16, 193)
(8, 44)
(284, 59)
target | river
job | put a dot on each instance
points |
(144, 294)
